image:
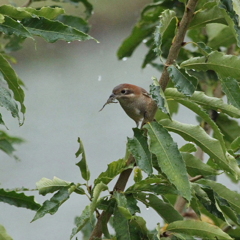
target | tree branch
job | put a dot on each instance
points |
(119, 186)
(172, 56)
(178, 41)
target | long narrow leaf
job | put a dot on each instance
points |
(53, 31)
(198, 228)
(139, 148)
(205, 101)
(82, 164)
(13, 81)
(18, 199)
(224, 65)
(208, 144)
(165, 210)
(169, 158)
(51, 206)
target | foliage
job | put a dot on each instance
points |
(205, 70)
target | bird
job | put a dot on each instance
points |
(135, 101)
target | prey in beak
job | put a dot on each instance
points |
(110, 100)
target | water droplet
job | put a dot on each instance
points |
(125, 59)
(144, 40)
(147, 208)
(18, 21)
(68, 42)
(99, 78)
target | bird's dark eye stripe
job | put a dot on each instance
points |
(125, 91)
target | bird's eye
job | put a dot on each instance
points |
(123, 91)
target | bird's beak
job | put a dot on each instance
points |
(111, 99)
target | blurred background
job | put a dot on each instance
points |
(66, 86)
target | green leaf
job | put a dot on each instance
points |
(96, 193)
(195, 108)
(132, 204)
(219, 35)
(87, 5)
(232, 90)
(229, 127)
(138, 146)
(75, 22)
(138, 228)
(51, 206)
(205, 101)
(196, 167)
(1, 121)
(28, 12)
(13, 82)
(53, 31)
(224, 65)
(226, 209)
(142, 30)
(81, 221)
(184, 83)
(159, 97)
(82, 164)
(153, 185)
(46, 185)
(1, 18)
(169, 158)
(232, 18)
(14, 43)
(11, 26)
(6, 143)
(188, 147)
(13, 12)
(18, 199)
(197, 228)
(211, 205)
(165, 210)
(208, 144)
(137, 174)
(114, 168)
(121, 225)
(211, 13)
(165, 21)
(3, 234)
(46, 12)
(235, 145)
(122, 205)
(203, 48)
(232, 197)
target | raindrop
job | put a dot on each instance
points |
(18, 21)
(144, 40)
(68, 42)
(147, 208)
(99, 78)
(125, 59)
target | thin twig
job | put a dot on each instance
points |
(178, 41)
(27, 4)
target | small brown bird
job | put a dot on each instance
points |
(135, 101)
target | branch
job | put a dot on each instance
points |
(172, 56)
(119, 186)
(178, 41)
(27, 4)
